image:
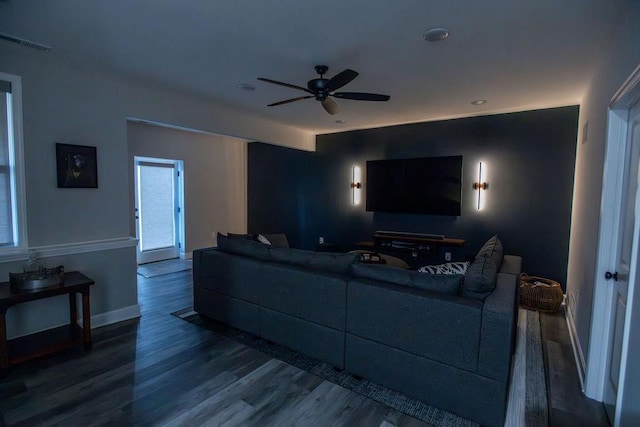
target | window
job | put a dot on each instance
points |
(13, 230)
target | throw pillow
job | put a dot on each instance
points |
(242, 246)
(480, 280)
(242, 236)
(322, 261)
(492, 249)
(277, 240)
(444, 284)
(446, 268)
(260, 238)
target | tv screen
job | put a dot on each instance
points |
(429, 185)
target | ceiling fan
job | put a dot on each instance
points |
(322, 89)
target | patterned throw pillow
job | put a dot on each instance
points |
(260, 238)
(446, 268)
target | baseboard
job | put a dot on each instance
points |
(98, 320)
(115, 316)
(575, 344)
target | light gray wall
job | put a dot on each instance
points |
(214, 178)
(79, 104)
(113, 271)
(616, 64)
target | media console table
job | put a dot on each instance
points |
(46, 342)
(409, 242)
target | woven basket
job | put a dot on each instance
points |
(540, 294)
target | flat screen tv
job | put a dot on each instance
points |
(429, 185)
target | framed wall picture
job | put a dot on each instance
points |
(77, 166)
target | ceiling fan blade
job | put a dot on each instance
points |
(275, 82)
(362, 96)
(341, 79)
(330, 106)
(300, 98)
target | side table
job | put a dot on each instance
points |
(46, 342)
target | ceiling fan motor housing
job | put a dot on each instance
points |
(319, 88)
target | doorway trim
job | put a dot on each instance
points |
(617, 126)
(180, 222)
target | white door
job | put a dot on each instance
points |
(623, 259)
(157, 207)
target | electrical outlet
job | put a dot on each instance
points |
(447, 256)
(414, 254)
(321, 240)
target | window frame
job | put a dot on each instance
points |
(19, 249)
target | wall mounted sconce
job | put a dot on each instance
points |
(356, 185)
(480, 186)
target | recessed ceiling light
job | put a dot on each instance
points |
(479, 102)
(246, 86)
(436, 34)
(341, 121)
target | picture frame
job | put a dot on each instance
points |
(77, 166)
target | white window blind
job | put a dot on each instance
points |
(7, 235)
(157, 202)
(13, 227)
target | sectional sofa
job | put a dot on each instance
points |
(444, 339)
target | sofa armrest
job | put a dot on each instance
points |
(511, 264)
(499, 324)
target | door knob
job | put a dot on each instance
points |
(609, 275)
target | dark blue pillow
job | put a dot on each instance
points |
(448, 284)
(480, 280)
(242, 246)
(492, 249)
(322, 261)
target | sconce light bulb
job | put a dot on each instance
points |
(355, 184)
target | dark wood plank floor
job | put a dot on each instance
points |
(161, 370)
(567, 405)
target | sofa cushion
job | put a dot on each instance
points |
(243, 246)
(445, 284)
(277, 240)
(333, 262)
(322, 261)
(492, 249)
(480, 280)
(292, 256)
(314, 296)
(446, 268)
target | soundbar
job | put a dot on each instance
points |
(401, 234)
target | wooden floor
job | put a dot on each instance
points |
(567, 405)
(161, 370)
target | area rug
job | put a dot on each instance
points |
(160, 268)
(527, 399)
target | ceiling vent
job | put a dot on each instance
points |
(25, 43)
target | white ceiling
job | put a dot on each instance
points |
(517, 54)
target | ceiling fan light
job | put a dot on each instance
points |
(436, 34)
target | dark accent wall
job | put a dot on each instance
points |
(529, 159)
